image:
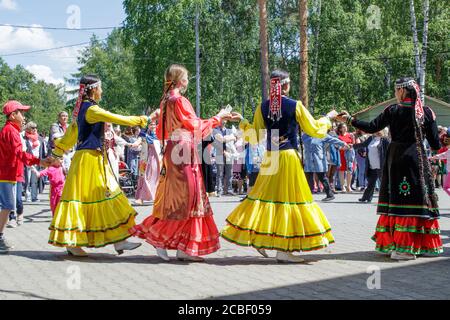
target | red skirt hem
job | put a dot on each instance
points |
(408, 234)
(195, 236)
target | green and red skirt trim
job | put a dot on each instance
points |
(412, 235)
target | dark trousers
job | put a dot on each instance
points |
(372, 177)
(322, 178)
(208, 177)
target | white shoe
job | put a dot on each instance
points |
(288, 257)
(402, 256)
(20, 219)
(162, 253)
(185, 257)
(12, 224)
(263, 252)
(125, 245)
(76, 251)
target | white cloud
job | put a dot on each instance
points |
(24, 39)
(44, 73)
(8, 5)
(14, 40)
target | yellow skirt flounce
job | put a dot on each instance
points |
(90, 214)
(279, 212)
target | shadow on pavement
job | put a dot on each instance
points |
(418, 281)
(59, 256)
(32, 218)
(101, 257)
(25, 294)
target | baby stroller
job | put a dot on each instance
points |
(126, 180)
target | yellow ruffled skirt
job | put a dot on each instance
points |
(279, 212)
(90, 214)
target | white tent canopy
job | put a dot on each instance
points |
(440, 108)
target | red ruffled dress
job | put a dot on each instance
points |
(182, 217)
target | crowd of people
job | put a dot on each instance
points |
(178, 161)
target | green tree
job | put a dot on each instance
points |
(110, 60)
(47, 100)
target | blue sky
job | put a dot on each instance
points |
(53, 66)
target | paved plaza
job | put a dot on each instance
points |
(348, 269)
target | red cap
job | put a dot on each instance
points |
(13, 105)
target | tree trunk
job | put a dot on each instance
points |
(197, 60)
(426, 10)
(387, 79)
(264, 48)
(252, 103)
(303, 6)
(316, 57)
(415, 37)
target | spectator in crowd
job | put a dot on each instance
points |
(114, 144)
(361, 157)
(253, 159)
(444, 156)
(56, 176)
(12, 160)
(36, 146)
(239, 169)
(334, 160)
(377, 145)
(127, 135)
(222, 139)
(207, 166)
(315, 161)
(133, 152)
(58, 129)
(16, 216)
(347, 158)
(120, 147)
(149, 165)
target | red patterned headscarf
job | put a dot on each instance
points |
(275, 99)
(411, 83)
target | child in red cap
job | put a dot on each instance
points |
(12, 158)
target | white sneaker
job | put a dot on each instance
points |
(263, 252)
(181, 255)
(288, 257)
(402, 256)
(162, 253)
(12, 224)
(76, 251)
(20, 219)
(125, 245)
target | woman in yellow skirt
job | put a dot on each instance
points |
(279, 213)
(93, 211)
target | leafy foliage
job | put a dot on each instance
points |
(47, 100)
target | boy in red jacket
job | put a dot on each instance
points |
(12, 158)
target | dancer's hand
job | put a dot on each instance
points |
(236, 117)
(343, 116)
(332, 115)
(224, 114)
(155, 115)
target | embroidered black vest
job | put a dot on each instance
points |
(287, 126)
(90, 136)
